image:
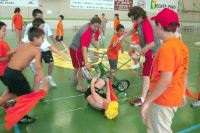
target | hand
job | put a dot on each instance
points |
(87, 65)
(144, 110)
(97, 47)
(94, 80)
(131, 51)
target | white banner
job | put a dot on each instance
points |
(19, 3)
(156, 5)
(92, 4)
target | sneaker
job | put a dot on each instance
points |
(8, 104)
(51, 81)
(137, 102)
(135, 66)
(195, 103)
(26, 120)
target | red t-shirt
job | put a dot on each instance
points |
(18, 21)
(4, 48)
(147, 32)
(113, 53)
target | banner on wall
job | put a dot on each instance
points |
(19, 3)
(156, 5)
(92, 4)
(123, 5)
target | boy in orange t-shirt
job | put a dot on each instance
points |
(60, 32)
(170, 68)
(17, 24)
(113, 48)
(116, 21)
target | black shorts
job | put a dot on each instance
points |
(16, 82)
(2, 80)
(59, 39)
(113, 64)
(88, 93)
(47, 56)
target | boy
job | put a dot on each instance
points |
(113, 48)
(46, 55)
(169, 75)
(45, 47)
(101, 101)
(60, 32)
(21, 58)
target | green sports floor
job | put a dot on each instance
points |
(66, 111)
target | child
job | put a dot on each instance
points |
(103, 25)
(113, 48)
(21, 58)
(101, 101)
(60, 32)
(116, 21)
(170, 70)
(17, 24)
(46, 55)
(45, 47)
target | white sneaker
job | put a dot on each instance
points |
(51, 81)
(195, 103)
(135, 66)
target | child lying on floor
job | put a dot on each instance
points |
(100, 101)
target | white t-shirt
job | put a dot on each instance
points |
(45, 45)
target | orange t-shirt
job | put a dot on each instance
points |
(4, 48)
(116, 22)
(18, 21)
(173, 56)
(113, 53)
(60, 29)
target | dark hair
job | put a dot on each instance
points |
(95, 20)
(35, 33)
(61, 16)
(35, 12)
(119, 26)
(96, 15)
(175, 25)
(103, 14)
(117, 15)
(2, 24)
(37, 22)
(137, 12)
(17, 10)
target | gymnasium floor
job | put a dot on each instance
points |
(66, 111)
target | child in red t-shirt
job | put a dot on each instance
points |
(114, 47)
(17, 24)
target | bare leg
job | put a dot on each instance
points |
(50, 68)
(19, 36)
(145, 86)
(80, 78)
(5, 97)
(36, 82)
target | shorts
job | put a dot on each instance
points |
(77, 58)
(16, 82)
(147, 66)
(59, 39)
(47, 56)
(159, 118)
(2, 79)
(113, 64)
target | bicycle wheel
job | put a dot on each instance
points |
(123, 85)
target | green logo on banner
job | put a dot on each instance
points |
(153, 4)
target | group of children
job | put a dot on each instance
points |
(34, 47)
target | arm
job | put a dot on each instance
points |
(93, 92)
(54, 41)
(58, 52)
(85, 57)
(161, 86)
(38, 67)
(108, 90)
(94, 44)
(8, 55)
(147, 48)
